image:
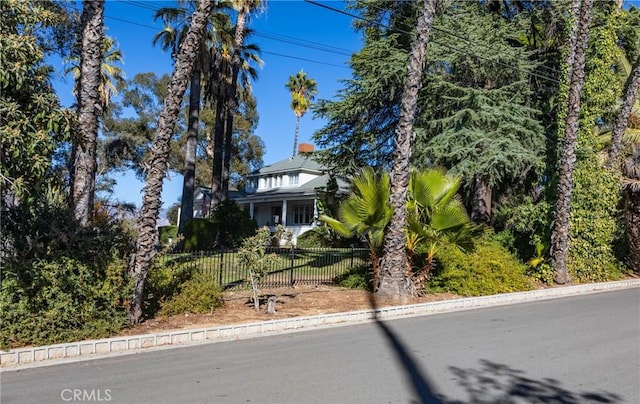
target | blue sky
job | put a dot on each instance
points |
(280, 30)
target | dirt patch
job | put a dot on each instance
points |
(290, 302)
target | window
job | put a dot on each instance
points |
(293, 179)
(302, 214)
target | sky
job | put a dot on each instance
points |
(293, 35)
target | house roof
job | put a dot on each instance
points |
(302, 162)
(305, 190)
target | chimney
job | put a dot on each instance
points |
(305, 148)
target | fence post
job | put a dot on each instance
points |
(221, 268)
(352, 253)
(293, 256)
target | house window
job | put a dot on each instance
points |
(293, 179)
(276, 215)
(302, 214)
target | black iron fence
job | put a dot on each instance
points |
(292, 265)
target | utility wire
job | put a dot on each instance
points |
(262, 51)
(446, 45)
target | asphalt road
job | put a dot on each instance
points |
(573, 350)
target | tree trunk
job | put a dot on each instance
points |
(560, 229)
(394, 281)
(481, 203)
(295, 136)
(89, 112)
(632, 216)
(233, 102)
(184, 66)
(623, 118)
(218, 153)
(189, 172)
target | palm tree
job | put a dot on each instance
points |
(244, 9)
(631, 191)
(111, 72)
(83, 154)
(435, 217)
(176, 25)
(365, 213)
(394, 280)
(303, 91)
(625, 112)
(560, 229)
(184, 65)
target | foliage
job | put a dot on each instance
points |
(434, 217)
(366, 213)
(200, 294)
(60, 281)
(167, 232)
(356, 278)
(233, 224)
(200, 235)
(163, 283)
(488, 269)
(32, 123)
(172, 213)
(253, 256)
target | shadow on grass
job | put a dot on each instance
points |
(490, 383)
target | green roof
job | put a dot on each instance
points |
(300, 162)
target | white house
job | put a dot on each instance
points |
(285, 193)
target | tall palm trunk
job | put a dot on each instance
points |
(623, 118)
(481, 203)
(560, 230)
(89, 111)
(218, 153)
(295, 136)
(145, 242)
(189, 172)
(233, 102)
(395, 281)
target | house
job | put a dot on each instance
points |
(283, 193)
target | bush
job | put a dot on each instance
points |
(199, 235)
(167, 232)
(233, 223)
(163, 283)
(200, 294)
(489, 269)
(313, 238)
(61, 282)
(356, 278)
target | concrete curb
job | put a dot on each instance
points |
(83, 350)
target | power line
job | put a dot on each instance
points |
(262, 51)
(446, 45)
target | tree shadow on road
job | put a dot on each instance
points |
(491, 383)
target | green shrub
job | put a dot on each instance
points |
(313, 238)
(167, 232)
(356, 278)
(488, 269)
(163, 283)
(199, 235)
(200, 294)
(233, 223)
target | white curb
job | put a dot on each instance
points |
(82, 350)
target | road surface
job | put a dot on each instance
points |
(582, 349)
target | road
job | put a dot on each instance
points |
(582, 349)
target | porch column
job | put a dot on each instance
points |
(315, 212)
(251, 210)
(284, 213)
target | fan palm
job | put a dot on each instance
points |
(303, 91)
(366, 213)
(631, 190)
(434, 217)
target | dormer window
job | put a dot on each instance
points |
(293, 179)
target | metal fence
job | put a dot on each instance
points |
(292, 265)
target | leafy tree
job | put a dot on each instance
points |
(303, 91)
(394, 278)
(560, 234)
(146, 224)
(90, 109)
(253, 256)
(32, 123)
(366, 213)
